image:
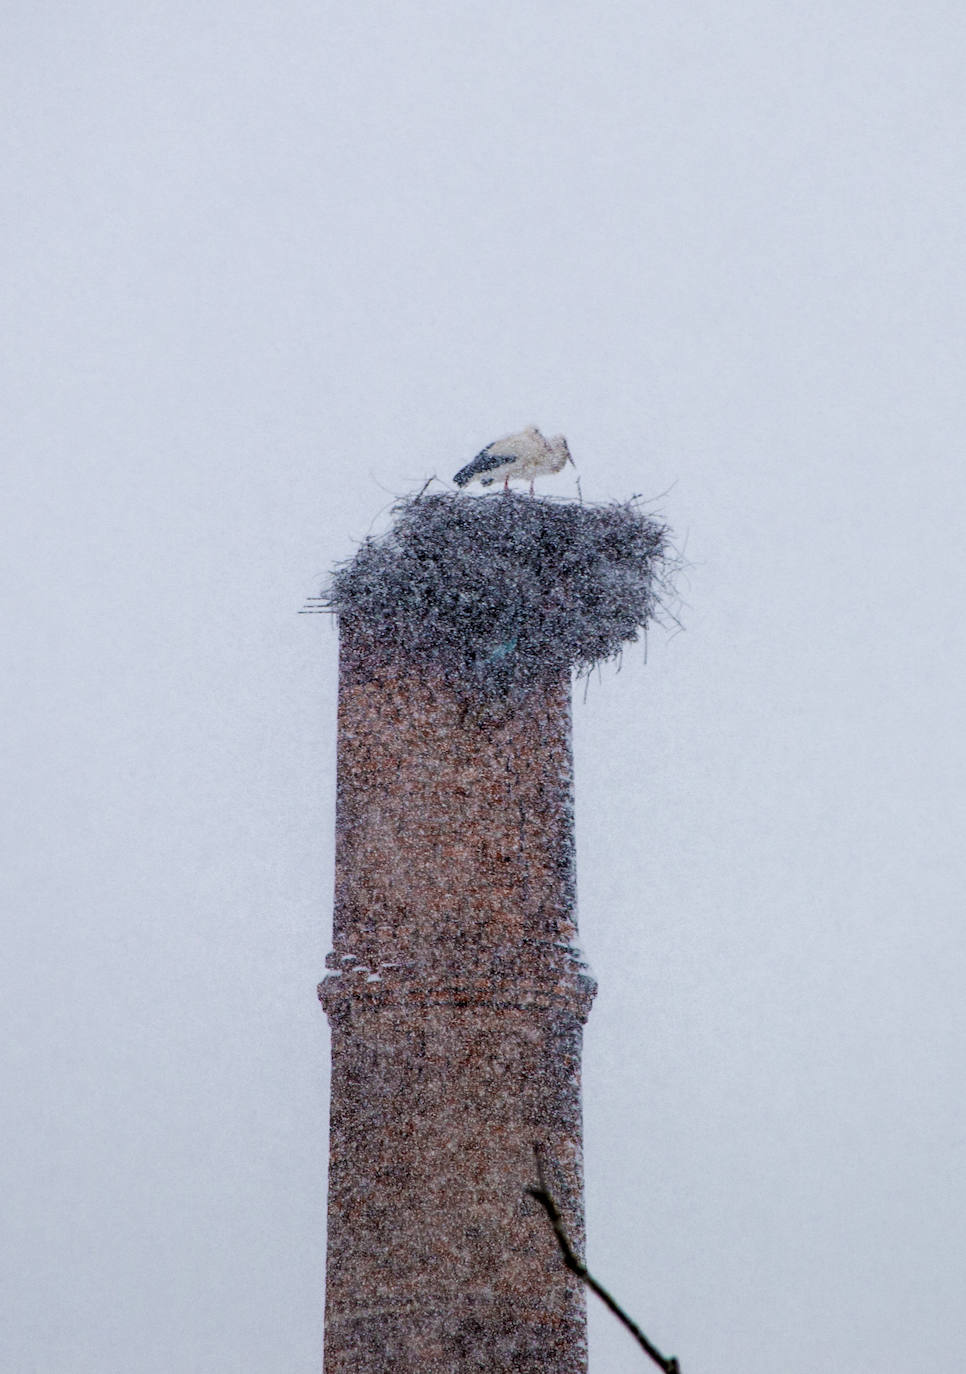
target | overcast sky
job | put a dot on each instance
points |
(267, 266)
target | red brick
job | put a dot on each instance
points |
(456, 1003)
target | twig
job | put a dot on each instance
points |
(666, 1362)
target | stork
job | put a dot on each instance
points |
(518, 457)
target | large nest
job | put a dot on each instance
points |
(500, 592)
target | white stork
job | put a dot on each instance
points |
(520, 457)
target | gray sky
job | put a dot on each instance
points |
(266, 266)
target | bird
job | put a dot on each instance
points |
(522, 457)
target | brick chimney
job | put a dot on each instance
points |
(456, 994)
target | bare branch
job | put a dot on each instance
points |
(542, 1195)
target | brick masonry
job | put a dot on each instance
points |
(456, 1000)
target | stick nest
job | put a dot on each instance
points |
(502, 592)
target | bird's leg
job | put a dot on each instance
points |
(531, 486)
(506, 484)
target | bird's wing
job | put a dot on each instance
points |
(483, 462)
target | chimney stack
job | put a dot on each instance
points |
(456, 993)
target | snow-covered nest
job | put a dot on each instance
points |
(503, 591)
